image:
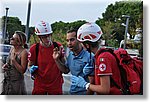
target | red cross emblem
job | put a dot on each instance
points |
(102, 67)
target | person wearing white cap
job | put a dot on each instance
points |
(47, 74)
(105, 63)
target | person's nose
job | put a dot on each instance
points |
(69, 43)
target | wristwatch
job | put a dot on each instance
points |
(87, 86)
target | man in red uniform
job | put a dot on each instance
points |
(105, 63)
(48, 76)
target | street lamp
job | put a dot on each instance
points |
(126, 29)
(28, 20)
(5, 26)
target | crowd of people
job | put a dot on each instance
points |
(46, 61)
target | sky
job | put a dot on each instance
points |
(55, 10)
(18, 8)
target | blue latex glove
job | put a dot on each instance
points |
(33, 68)
(78, 81)
(88, 69)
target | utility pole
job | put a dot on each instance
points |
(126, 29)
(28, 20)
(5, 26)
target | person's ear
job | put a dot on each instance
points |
(87, 45)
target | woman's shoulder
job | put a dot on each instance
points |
(24, 52)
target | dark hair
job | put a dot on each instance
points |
(25, 46)
(72, 30)
(92, 44)
(22, 38)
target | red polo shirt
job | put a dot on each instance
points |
(106, 65)
(48, 76)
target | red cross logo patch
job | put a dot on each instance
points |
(102, 67)
(29, 54)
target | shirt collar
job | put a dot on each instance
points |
(80, 55)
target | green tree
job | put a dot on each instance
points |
(13, 24)
(110, 24)
(60, 29)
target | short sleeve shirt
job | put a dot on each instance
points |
(76, 65)
(48, 75)
(106, 65)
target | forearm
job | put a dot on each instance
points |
(99, 89)
(89, 92)
(62, 66)
(104, 87)
(19, 67)
(91, 80)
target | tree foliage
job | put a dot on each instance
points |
(13, 24)
(60, 29)
(110, 23)
(112, 19)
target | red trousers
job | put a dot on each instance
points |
(40, 91)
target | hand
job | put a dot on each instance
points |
(88, 69)
(78, 81)
(56, 54)
(5, 66)
(33, 68)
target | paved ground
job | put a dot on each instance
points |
(29, 83)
